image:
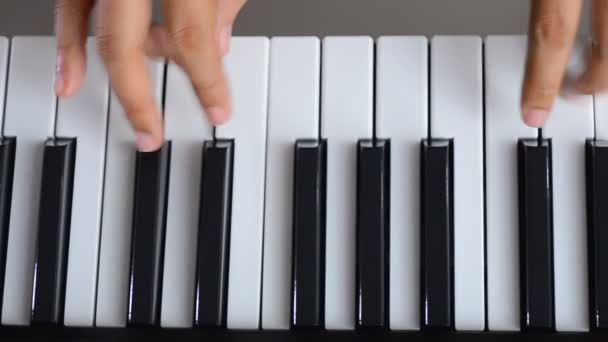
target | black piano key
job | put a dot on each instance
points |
(536, 235)
(148, 236)
(437, 216)
(597, 220)
(7, 165)
(214, 235)
(308, 275)
(372, 263)
(50, 267)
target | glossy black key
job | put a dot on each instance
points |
(7, 165)
(536, 235)
(597, 220)
(372, 264)
(50, 267)
(214, 235)
(308, 275)
(437, 229)
(148, 236)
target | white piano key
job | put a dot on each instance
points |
(570, 124)
(247, 69)
(293, 113)
(504, 67)
(401, 116)
(601, 115)
(457, 112)
(186, 125)
(4, 47)
(346, 116)
(85, 116)
(30, 116)
(115, 249)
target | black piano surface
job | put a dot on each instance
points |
(51, 334)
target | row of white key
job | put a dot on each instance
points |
(284, 90)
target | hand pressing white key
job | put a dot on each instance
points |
(196, 36)
(553, 28)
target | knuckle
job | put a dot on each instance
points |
(110, 49)
(187, 38)
(550, 30)
(139, 111)
(106, 46)
(206, 85)
(540, 93)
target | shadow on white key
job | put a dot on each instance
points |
(29, 116)
(115, 249)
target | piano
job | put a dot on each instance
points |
(363, 190)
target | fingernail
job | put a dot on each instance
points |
(146, 142)
(217, 115)
(535, 117)
(59, 78)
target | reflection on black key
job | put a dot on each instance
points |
(7, 164)
(214, 235)
(536, 235)
(437, 255)
(50, 268)
(597, 218)
(308, 285)
(372, 264)
(148, 236)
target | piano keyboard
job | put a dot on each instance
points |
(360, 185)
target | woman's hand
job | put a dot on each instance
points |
(196, 36)
(553, 28)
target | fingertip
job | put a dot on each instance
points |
(60, 74)
(69, 71)
(215, 100)
(217, 115)
(148, 128)
(147, 142)
(535, 117)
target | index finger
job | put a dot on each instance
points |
(122, 29)
(552, 31)
(193, 31)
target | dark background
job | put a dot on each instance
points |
(327, 17)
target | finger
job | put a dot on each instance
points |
(595, 78)
(158, 43)
(192, 26)
(553, 27)
(122, 32)
(71, 27)
(229, 10)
